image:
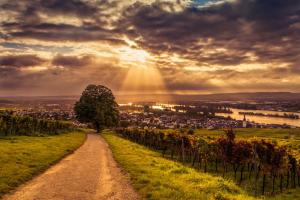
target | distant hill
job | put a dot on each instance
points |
(264, 96)
(258, 96)
(5, 101)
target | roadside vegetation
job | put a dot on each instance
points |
(22, 157)
(283, 137)
(156, 177)
(290, 138)
(260, 167)
(14, 125)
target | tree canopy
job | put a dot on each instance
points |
(97, 106)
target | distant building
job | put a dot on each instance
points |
(244, 122)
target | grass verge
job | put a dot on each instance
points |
(158, 178)
(22, 157)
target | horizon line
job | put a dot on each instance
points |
(116, 94)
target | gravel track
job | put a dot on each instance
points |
(90, 173)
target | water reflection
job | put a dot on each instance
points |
(263, 119)
(236, 115)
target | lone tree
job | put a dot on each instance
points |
(97, 105)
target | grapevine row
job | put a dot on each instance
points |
(14, 125)
(261, 162)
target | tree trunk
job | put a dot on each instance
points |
(281, 181)
(256, 179)
(250, 173)
(242, 170)
(235, 168)
(224, 169)
(294, 179)
(200, 162)
(264, 184)
(288, 179)
(164, 152)
(183, 151)
(273, 184)
(97, 127)
(194, 158)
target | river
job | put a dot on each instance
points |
(237, 116)
(263, 119)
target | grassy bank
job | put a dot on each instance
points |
(158, 178)
(22, 157)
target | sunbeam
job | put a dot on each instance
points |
(144, 80)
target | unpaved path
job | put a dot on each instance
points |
(90, 173)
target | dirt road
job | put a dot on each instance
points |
(90, 173)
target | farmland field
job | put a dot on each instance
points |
(22, 157)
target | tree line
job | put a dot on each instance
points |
(14, 125)
(267, 167)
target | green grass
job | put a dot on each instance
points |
(158, 178)
(22, 157)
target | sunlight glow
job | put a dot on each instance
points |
(34, 69)
(144, 80)
(128, 54)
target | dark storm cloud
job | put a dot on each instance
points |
(241, 27)
(61, 32)
(21, 61)
(73, 7)
(72, 61)
(221, 36)
(90, 26)
(29, 9)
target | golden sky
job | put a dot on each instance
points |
(57, 47)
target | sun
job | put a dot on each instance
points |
(129, 54)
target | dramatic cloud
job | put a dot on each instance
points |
(21, 61)
(226, 34)
(57, 20)
(72, 61)
(195, 46)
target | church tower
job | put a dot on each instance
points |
(244, 122)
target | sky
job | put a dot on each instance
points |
(57, 47)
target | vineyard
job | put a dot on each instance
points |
(262, 167)
(13, 125)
